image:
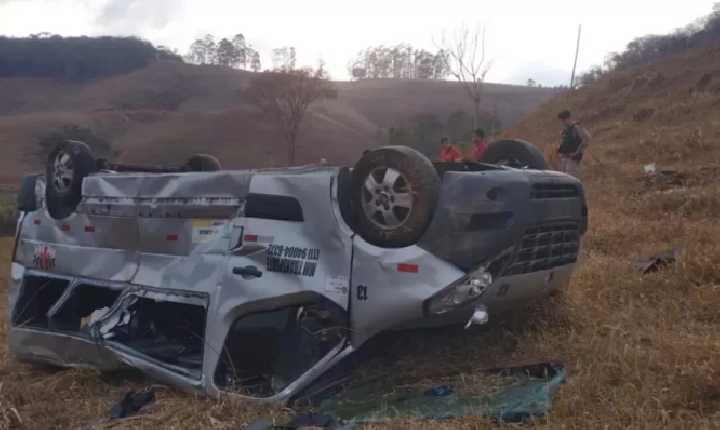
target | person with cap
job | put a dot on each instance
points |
(575, 139)
(479, 144)
(449, 152)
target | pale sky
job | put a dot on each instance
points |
(531, 39)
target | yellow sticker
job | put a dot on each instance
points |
(200, 223)
(207, 230)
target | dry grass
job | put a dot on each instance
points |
(641, 351)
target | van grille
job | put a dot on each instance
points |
(553, 191)
(546, 246)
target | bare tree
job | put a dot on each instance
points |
(285, 96)
(465, 57)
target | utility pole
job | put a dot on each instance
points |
(577, 50)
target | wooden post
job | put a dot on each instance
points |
(577, 50)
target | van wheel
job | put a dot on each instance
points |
(394, 193)
(67, 165)
(514, 153)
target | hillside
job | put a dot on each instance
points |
(645, 350)
(166, 112)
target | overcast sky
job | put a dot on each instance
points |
(531, 39)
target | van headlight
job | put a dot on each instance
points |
(459, 294)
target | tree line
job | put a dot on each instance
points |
(234, 52)
(647, 49)
(400, 61)
(76, 58)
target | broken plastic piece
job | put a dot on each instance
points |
(131, 404)
(479, 317)
(439, 391)
(653, 264)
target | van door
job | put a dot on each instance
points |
(282, 305)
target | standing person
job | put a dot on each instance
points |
(479, 144)
(575, 139)
(449, 152)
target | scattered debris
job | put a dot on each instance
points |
(655, 179)
(642, 115)
(653, 264)
(131, 404)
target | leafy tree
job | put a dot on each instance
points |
(197, 53)
(241, 51)
(531, 82)
(38, 154)
(285, 96)
(284, 58)
(255, 65)
(226, 53)
(210, 48)
(292, 58)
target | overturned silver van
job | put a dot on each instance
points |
(256, 282)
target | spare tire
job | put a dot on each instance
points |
(201, 163)
(514, 153)
(394, 193)
(67, 165)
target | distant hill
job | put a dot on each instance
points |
(168, 111)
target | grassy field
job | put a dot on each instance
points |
(641, 351)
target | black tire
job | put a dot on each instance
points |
(202, 163)
(417, 180)
(62, 196)
(514, 153)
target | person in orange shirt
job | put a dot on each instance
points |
(479, 144)
(449, 153)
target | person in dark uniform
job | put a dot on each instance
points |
(575, 139)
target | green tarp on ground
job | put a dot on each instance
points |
(518, 393)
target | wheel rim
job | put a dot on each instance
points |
(387, 200)
(64, 170)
